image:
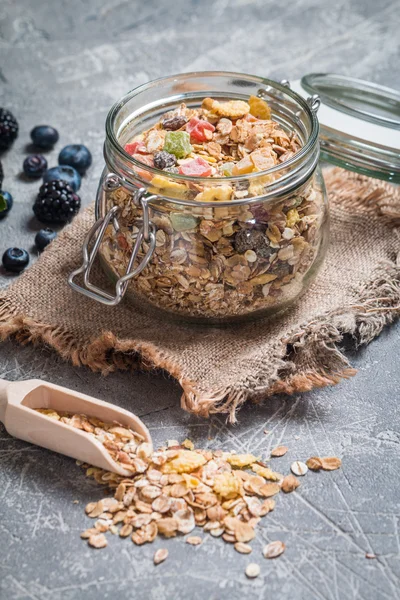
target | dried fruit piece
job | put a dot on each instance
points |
(299, 468)
(174, 123)
(252, 570)
(289, 484)
(197, 167)
(252, 239)
(160, 555)
(259, 108)
(199, 130)
(243, 167)
(177, 143)
(274, 549)
(163, 160)
(222, 193)
(279, 451)
(136, 148)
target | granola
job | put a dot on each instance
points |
(177, 488)
(219, 139)
(215, 261)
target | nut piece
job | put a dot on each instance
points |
(252, 570)
(243, 548)
(274, 549)
(299, 468)
(98, 540)
(279, 451)
(289, 484)
(160, 555)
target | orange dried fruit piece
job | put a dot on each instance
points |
(243, 167)
(259, 108)
(262, 159)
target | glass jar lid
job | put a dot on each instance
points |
(359, 123)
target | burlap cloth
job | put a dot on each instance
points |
(357, 292)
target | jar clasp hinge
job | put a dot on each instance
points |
(146, 233)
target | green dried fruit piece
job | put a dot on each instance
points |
(182, 222)
(177, 143)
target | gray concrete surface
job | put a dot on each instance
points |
(65, 63)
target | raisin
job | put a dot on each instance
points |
(174, 123)
(251, 239)
(163, 159)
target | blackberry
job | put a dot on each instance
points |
(251, 239)
(65, 173)
(163, 159)
(8, 128)
(1, 175)
(174, 123)
(56, 202)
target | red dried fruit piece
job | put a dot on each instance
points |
(198, 167)
(197, 129)
(135, 148)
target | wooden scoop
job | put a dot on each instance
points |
(17, 399)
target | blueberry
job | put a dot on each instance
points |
(44, 136)
(15, 260)
(77, 156)
(6, 202)
(35, 165)
(44, 237)
(67, 174)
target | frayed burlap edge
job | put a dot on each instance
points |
(307, 358)
(316, 344)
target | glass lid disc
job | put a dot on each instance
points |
(362, 99)
(359, 123)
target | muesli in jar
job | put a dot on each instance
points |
(230, 258)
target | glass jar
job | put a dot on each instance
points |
(208, 249)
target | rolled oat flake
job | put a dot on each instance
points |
(298, 468)
(274, 549)
(252, 570)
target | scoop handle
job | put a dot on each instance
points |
(3, 398)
